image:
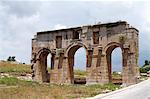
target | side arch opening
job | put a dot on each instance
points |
(46, 63)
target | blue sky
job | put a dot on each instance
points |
(20, 20)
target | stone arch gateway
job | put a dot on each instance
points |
(99, 41)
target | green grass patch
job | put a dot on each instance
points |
(111, 86)
(11, 81)
(80, 73)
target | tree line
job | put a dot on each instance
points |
(11, 59)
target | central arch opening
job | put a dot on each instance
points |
(115, 64)
(77, 64)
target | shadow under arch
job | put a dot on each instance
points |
(71, 50)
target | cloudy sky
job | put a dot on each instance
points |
(20, 20)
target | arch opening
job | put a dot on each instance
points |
(46, 65)
(50, 61)
(115, 64)
(77, 64)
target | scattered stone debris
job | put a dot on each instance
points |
(106, 91)
(5, 75)
(26, 77)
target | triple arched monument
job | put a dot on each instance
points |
(98, 40)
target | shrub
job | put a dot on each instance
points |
(145, 69)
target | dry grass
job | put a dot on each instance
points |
(34, 90)
(116, 76)
(13, 88)
(8, 67)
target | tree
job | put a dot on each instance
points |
(11, 59)
(145, 69)
(146, 62)
(142, 70)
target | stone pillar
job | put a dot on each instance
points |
(61, 68)
(43, 66)
(130, 73)
(101, 67)
(33, 65)
(61, 73)
(133, 74)
(96, 69)
(98, 63)
(89, 67)
(104, 69)
(69, 62)
(54, 72)
(125, 75)
(38, 75)
(66, 76)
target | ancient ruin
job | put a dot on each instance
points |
(99, 41)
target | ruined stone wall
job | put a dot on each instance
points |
(99, 41)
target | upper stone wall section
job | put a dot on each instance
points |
(85, 32)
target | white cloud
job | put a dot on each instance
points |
(59, 26)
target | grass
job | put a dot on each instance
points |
(116, 76)
(13, 81)
(7, 67)
(79, 73)
(34, 90)
(13, 88)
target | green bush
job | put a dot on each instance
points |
(9, 81)
(145, 69)
(14, 81)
